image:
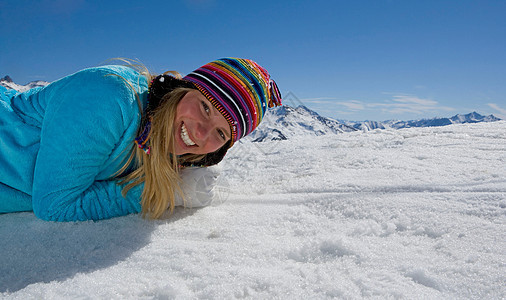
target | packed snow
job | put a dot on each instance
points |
(416, 213)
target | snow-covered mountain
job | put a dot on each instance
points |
(9, 83)
(473, 117)
(284, 122)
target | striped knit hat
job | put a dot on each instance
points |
(240, 89)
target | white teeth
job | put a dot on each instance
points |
(184, 136)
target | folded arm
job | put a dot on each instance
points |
(82, 126)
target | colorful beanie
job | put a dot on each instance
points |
(240, 89)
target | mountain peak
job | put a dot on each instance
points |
(8, 83)
(285, 122)
(473, 117)
(7, 78)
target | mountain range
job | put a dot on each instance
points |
(285, 121)
(8, 83)
(473, 117)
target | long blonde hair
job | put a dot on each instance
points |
(159, 171)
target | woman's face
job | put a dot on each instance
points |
(199, 128)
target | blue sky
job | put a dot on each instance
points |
(354, 60)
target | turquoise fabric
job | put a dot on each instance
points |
(61, 145)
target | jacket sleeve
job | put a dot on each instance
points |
(87, 115)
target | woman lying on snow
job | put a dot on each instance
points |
(114, 140)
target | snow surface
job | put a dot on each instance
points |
(417, 213)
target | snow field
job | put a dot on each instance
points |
(417, 213)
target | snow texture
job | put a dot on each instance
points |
(416, 213)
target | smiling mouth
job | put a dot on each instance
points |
(185, 137)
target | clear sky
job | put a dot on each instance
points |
(354, 60)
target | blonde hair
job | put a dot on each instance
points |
(159, 171)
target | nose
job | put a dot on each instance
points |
(203, 131)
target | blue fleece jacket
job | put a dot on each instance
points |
(61, 145)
